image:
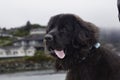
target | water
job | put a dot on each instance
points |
(34, 75)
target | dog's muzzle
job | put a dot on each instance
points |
(48, 37)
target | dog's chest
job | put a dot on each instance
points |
(83, 73)
(87, 72)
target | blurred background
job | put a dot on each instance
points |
(22, 29)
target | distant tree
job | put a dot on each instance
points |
(27, 27)
(28, 23)
(24, 30)
(4, 29)
(21, 33)
(35, 26)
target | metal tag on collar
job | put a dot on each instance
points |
(97, 45)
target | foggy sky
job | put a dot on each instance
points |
(15, 13)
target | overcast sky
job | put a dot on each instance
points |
(15, 13)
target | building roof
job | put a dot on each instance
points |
(39, 37)
(14, 47)
(39, 29)
(35, 37)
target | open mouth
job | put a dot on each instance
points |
(58, 52)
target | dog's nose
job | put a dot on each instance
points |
(48, 37)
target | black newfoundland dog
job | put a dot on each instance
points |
(74, 44)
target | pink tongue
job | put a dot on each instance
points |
(60, 54)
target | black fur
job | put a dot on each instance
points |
(118, 6)
(82, 61)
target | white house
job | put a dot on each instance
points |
(5, 34)
(2, 52)
(31, 40)
(16, 51)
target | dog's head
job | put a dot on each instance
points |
(67, 33)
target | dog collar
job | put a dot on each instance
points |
(97, 45)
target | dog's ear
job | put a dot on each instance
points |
(86, 34)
